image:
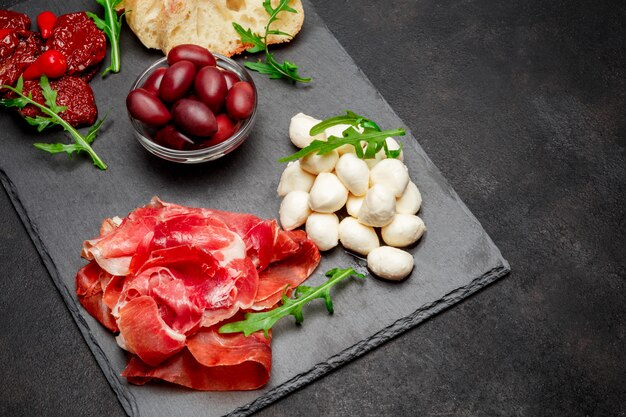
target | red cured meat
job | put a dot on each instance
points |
(108, 225)
(29, 47)
(113, 251)
(212, 362)
(288, 273)
(145, 333)
(77, 37)
(89, 292)
(13, 20)
(168, 277)
(265, 242)
(73, 93)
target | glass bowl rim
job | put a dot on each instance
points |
(201, 154)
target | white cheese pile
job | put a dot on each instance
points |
(377, 194)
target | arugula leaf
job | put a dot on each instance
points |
(361, 131)
(50, 96)
(95, 129)
(247, 36)
(53, 148)
(39, 121)
(375, 142)
(52, 110)
(350, 118)
(270, 66)
(19, 102)
(264, 68)
(303, 294)
(111, 26)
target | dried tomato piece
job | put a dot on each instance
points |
(77, 37)
(29, 47)
(89, 72)
(13, 20)
(8, 43)
(73, 92)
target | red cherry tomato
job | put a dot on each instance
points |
(45, 23)
(51, 63)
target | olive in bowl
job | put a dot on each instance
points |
(192, 106)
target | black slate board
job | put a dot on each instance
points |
(62, 202)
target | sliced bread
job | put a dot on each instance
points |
(163, 24)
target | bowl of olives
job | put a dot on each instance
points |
(192, 106)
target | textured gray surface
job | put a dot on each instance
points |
(454, 259)
(546, 341)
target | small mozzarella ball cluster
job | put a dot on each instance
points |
(377, 194)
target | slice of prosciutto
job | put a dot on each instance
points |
(167, 277)
(211, 362)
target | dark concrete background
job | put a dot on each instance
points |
(522, 105)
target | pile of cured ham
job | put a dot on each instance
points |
(167, 277)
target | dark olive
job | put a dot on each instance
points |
(176, 81)
(225, 129)
(171, 138)
(240, 100)
(199, 56)
(210, 87)
(147, 108)
(194, 118)
(153, 82)
(231, 78)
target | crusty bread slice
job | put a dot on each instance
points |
(144, 18)
(164, 24)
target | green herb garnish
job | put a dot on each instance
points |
(111, 26)
(291, 306)
(270, 66)
(361, 130)
(52, 111)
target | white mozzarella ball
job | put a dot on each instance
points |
(390, 263)
(353, 205)
(299, 129)
(404, 230)
(344, 149)
(337, 131)
(294, 209)
(410, 201)
(392, 174)
(328, 194)
(323, 230)
(353, 173)
(393, 145)
(316, 164)
(294, 178)
(372, 162)
(378, 208)
(357, 237)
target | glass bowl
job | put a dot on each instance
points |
(195, 156)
